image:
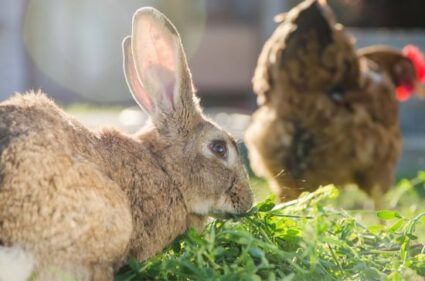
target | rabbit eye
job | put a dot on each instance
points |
(219, 148)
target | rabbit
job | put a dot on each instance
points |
(79, 202)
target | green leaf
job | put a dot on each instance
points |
(421, 176)
(411, 236)
(375, 229)
(267, 204)
(371, 273)
(333, 241)
(388, 215)
(256, 252)
(393, 228)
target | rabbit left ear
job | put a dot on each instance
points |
(161, 67)
(132, 78)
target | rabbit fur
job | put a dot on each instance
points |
(80, 202)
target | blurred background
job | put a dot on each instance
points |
(71, 49)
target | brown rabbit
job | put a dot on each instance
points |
(76, 203)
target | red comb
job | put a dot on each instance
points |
(403, 92)
(418, 60)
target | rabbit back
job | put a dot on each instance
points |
(52, 198)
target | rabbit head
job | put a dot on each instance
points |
(206, 161)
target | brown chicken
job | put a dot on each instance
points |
(327, 114)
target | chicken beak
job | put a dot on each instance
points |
(419, 90)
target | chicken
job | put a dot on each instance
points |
(327, 114)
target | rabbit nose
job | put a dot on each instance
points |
(245, 200)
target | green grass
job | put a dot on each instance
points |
(312, 238)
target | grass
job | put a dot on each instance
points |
(312, 238)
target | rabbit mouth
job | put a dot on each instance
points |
(223, 212)
(226, 206)
(232, 216)
(222, 215)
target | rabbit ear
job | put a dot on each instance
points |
(161, 67)
(133, 81)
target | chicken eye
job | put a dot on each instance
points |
(219, 148)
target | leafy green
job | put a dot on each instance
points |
(388, 215)
(305, 239)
